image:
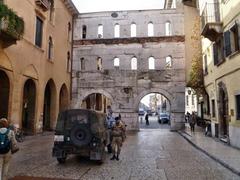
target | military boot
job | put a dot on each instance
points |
(117, 158)
(114, 157)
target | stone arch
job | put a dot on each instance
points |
(49, 106)
(30, 71)
(29, 105)
(146, 92)
(100, 91)
(223, 109)
(63, 98)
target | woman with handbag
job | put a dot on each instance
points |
(8, 146)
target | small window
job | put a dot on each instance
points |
(150, 29)
(168, 29)
(100, 31)
(69, 31)
(134, 63)
(117, 31)
(69, 64)
(84, 32)
(193, 98)
(205, 65)
(169, 62)
(238, 106)
(50, 48)
(213, 108)
(235, 38)
(133, 30)
(51, 10)
(82, 64)
(99, 63)
(151, 63)
(187, 100)
(39, 32)
(116, 62)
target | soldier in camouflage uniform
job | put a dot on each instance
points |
(117, 138)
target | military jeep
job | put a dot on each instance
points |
(81, 132)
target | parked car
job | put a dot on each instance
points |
(81, 132)
(163, 118)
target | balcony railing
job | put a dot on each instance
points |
(44, 4)
(211, 20)
(11, 26)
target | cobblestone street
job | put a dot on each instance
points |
(149, 154)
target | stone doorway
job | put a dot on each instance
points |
(154, 112)
(28, 106)
(223, 111)
(4, 94)
(49, 108)
(63, 98)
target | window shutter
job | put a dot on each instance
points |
(238, 28)
(215, 51)
(227, 43)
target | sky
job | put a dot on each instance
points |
(114, 5)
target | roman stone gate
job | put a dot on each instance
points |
(119, 57)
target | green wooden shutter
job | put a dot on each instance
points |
(215, 54)
(227, 43)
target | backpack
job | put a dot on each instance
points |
(5, 142)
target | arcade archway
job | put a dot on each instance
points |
(4, 94)
(49, 108)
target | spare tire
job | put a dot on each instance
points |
(80, 135)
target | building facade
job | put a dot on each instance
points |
(35, 69)
(126, 55)
(221, 63)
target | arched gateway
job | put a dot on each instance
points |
(121, 83)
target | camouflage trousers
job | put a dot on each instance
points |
(117, 144)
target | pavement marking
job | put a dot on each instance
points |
(35, 178)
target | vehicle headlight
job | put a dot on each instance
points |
(58, 138)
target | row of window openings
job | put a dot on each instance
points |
(168, 30)
(116, 63)
(213, 108)
(187, 100)
(39, 35)
(226, 45)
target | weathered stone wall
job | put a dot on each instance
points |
(123, 86)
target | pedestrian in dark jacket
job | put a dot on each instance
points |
(192, 121)
(147, 120)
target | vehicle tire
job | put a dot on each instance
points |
(61, 160)
(80, 135)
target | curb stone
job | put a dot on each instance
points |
(210, 155)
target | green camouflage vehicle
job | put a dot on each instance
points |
(81, 132)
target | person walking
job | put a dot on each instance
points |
(147, 120)
(192, 121)
(117, 138)
(8, 145)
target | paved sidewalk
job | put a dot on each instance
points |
(222, 153)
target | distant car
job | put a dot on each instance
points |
(163, 118)
(141, 112)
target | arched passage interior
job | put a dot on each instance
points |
(4, 94)
(49, 108)
(97, 102)
(154, 111)
(28, 106)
